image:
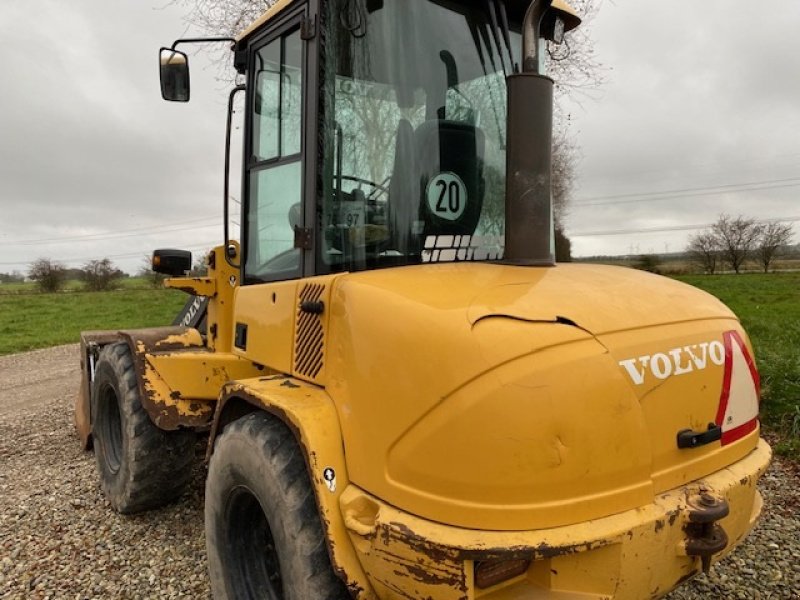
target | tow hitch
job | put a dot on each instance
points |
(704, 536)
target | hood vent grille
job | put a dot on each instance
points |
(310, 339)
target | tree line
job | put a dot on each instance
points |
(97, 275)
(732, 241)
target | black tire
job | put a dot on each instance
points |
(263, 532)
(140, 466)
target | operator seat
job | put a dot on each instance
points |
(436, 147)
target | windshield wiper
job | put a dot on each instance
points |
(490, 8)
(501, 8)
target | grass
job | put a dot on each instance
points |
(73, 285)
(30, 320)
(769, 308)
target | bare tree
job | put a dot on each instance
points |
(774, 237)
(224, 17)
(573, 64)
(48, 274)
(704, 250)
(100, 275)
(565, 162)
(736, 238)
(200, 264)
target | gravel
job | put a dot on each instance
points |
(767, 564)
(59, 537)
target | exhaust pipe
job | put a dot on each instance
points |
(530, 236)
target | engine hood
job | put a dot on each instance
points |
(599, 299)
(503, 397)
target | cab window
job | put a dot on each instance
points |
(274, 199)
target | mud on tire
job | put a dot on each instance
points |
(264, 535)
(140, 466)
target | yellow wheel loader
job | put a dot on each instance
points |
(404, 395)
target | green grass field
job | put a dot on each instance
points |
(30, 320)
(769, 308)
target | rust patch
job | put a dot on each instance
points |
(434, 565)
(167, 340)
(289, 384)
(185, 288)
(398, 532)
(545, 551)
(659, 525)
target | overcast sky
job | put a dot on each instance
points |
(701, 96)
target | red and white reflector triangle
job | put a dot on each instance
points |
(741, 388)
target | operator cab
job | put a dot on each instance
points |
(380, 143)
(411, 152)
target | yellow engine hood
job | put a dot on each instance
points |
(597, 298)
(498, 397)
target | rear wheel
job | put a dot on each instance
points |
(263, 532)
(140, 466)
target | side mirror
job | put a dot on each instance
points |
(174, 71)
(174, 263)
(559, 19)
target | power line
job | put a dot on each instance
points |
(689, 192)
(667, 229)
(716, 165)
(115, 256)
(94, 237)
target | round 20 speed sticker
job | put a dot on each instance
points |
(447, 196)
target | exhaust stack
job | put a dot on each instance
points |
(530, 237)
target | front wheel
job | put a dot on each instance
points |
(140, 466)
(263, 532)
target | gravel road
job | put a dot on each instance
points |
(60, 539)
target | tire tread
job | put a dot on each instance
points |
(301, 519)
(157, 463)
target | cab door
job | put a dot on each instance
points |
(273, 208)
(278, 186)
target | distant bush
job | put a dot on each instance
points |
(48, 275)
(100, 275)
(648, 262)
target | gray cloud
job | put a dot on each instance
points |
(701, 94)
(88, 147)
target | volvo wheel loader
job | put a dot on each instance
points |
(404, 395)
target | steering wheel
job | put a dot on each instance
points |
(377, 187)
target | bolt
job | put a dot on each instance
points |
(707, 499)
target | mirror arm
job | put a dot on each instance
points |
(227, 183)
(202, 41)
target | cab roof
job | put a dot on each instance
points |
(268, 15)
(516, 9)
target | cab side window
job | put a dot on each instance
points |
(274, 199)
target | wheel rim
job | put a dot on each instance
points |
(254, 570)
(110, 429)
